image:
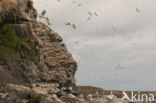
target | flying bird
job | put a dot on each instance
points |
(89, 19)
(58, 0)
(138, 10)
(73, 2)
(120, 67)
(42, 16)
(90, 14)
(79, 4)
(132, 43)
(47, 20)
(76, 42)
(74, 26)
(43, 13)
(95, 14)
(113, 27)
(69, 24)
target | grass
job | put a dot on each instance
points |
(8, 38)
(15, 44)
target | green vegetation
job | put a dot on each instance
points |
(14, 43)
(31, 43)
(8, 39)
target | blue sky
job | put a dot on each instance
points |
(114, 50)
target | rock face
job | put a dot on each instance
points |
(35, 65)
(50, 75)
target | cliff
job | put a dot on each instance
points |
(35, 64)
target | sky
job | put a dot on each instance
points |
(114, 42)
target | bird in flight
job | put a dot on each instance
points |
(76, 42)
(74, 26)
(43, 13)
(90, 14)
(69, 24)
(73, 2)
(95, 14)
(120, 67)
(113, 27)
(42, 16)
(138, 10)
(132, 44)
(47, 20)
(79, 4)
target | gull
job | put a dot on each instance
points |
(138, 10)
(120, 67)
(42, 16)
(132, 43)
(43, 12)
(69, 24)
(47, 20)
(79, 4)
(89, 19)
(95, 14)
(76, 43)
(91, 49)
(90, 14)
(74, 26)
(113, 27)
(58, 0)
(73, 2)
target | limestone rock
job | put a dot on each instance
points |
(53, 69)
(49, 77)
